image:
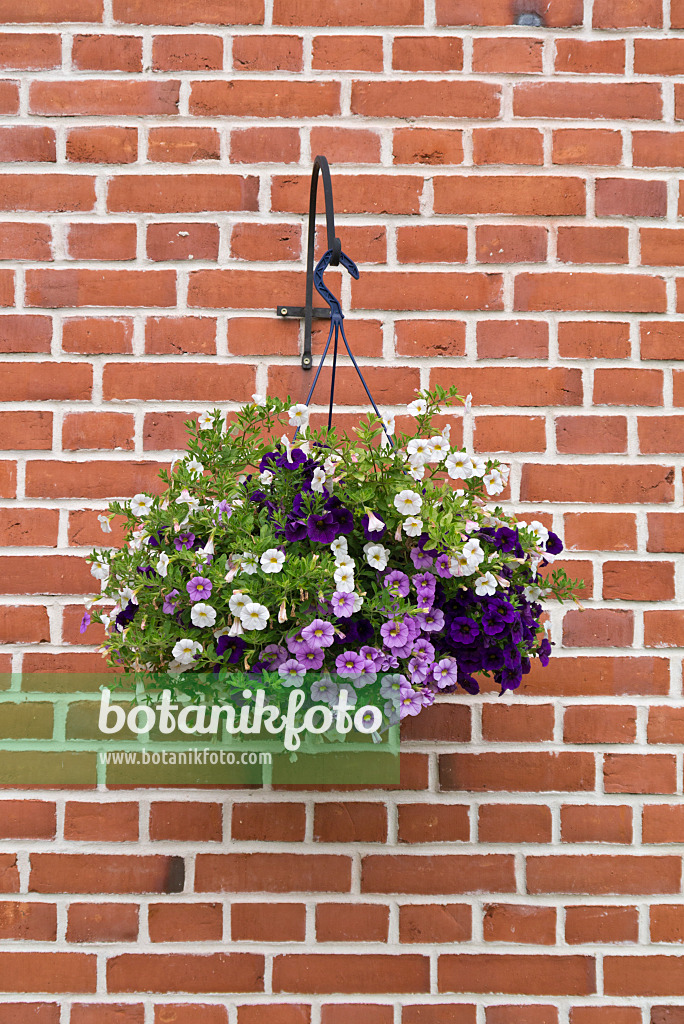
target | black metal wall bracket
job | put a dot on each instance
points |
(308, 312)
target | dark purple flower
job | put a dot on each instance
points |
(344, 520)
(184, 540)
(231, 645)
(125, 616)
(464, 630)
(508, 540)
(295, 530)
(554, 545)
(497, 616)
(297, 458)
(544, 652)
(322, 528)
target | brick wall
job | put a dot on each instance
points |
(511, 196)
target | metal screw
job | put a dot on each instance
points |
(283, 311)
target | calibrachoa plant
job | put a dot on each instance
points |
(373, 562)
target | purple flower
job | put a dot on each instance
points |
(497, 616)
(311, 660)
(344, 520)
(445, 673)
(234, 644)
(544, 652)
(291, 672)
(323, 529)
(389, 661)
(319, 633)
(169, 603)
(420, 559)
(85, 622)
(464, 630)
(295, 530)
(554, 545)
(273, 655)
(372, 656)
(199, 588)
(397, 583)
(297, 643)
(410, 702)
(394, 634)
(349, 663)
(442, 567)
(419, 669)
(342, 604)
(224, 509)
(297, 458)
(432, 621)
(423, 650)
(425, 587)
(184, 540)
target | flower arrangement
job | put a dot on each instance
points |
(334, 563)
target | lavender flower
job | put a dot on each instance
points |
(319, 633)
(291, 673)
(184, 541)
(349, 664)
(397, 583)
(445, 673)
(342, 604)
(169, 606)
(394, 633)
(199, 588)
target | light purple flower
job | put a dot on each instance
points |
(311, 660)
(413, 626)
(184, 540)
(199, 588)
(349, 663)
(274, 654)
(442, 567)
(366, 675)
(389, 661)
(224, 508)
(342, 604)
(410, 702)
(445, 673)
(291, 673)
(397, 583)
(319, 633)
(296, 644)
(432, 621)
(85, 622)
(420, 670)
(324, 690)
(420, 559)
(394, 633)
(169, 603)
(423, 650)
(373, 657)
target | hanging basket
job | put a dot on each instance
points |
(374, 569)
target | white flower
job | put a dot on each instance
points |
(408, 502)
(285, 441)
(377, 556)
(205, 420)
(461, 565)
(473, 551)
(266, 477)
(195, 467)
(186, 650)
(318, 481)
(413, 526)
(126, 594)
(163, 565)
(236, 628)
(204, 553)
(331, 463)
(446, 431)
(358, 602)
(223, 631)
(440, 448)
(541, 534)
(100, 570)
(299, 415)
(344, 579)
(479, 465)
(345, 562)
(534, 593)
(136, 541)
(185, 498)
(259, 400)
(339, 546)
(105, 525)
(203, 615)
(420, 447)
(238, 602)
(254, 616)
(388, 426)
(249, 562)
(272, 560)
(459, 466)
(416, 472)
(141, 504)
(505, 472)
(493, 482)
(417, 408)
(485, 586)
(468, 404)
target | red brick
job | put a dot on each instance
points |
(182, 12)
(350, 822)
(267, 53)
(599, 531)
(638, 581)
(348, 973)
(24, 625)
(25, 242)
(347, 145)
(582, 100)
(599, 724)
(427, 875)
(667, 923)
(503, 243)
(187, 52)
(6, 287)
(25, 333)
(440, 723)
(102, 241)
(665, 532)
(664, 629)
(508, 922)
(102, 922)
(425, 291)
(27, 819)
(657, 149)
(507, 55)
(438, 1013)
(275, 822)
(589, 291)
(587, 435)
(262, 1013)
(507, 723)
(49, 972)
(534, 1014)
(600, 146)
(517, 974)
(427, 146)
(521, 195)
(27, 144)
(599, 484)
(557, 13)
(272, 872)
(28, 527)
(29, 1013)
(264, 145)
(174, 241)
(102, 145)
(603, 874)
(35, 922)
(387, 387)
(439, 243)
(665, 725)
(34, 51)
(662, 247)
(596, 57)
(9, 98)
(517, 772)
(425, 99)
(29, 382)
(182, 145)
(107, 53)
(645, 975)
(595, 824)
(351, 922)
(677, 14)
(598, 628)
(605, 1015)
(185, 922)
(29, 192)
(181, 193)
(360, 193)
(182, 972)
(52, 289)
(94, 335)
(347, 53)
(663, 823)
(101, 822)
(180, 382)
(368, 242)
(180, 334)
(433, 823)
(107, 97)
(265, 242)
(592, 245)
(186, 822)
(268, 922)
(601, 924)
(617, 197)
(108, 1013)
(508, 146)
(435, 923)
(341, 13)
(48, 479)
(509, 434)
(517, 385)
(115, 873)
(593, 340)
(633, 14)
(426, 53)
(254, 98)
